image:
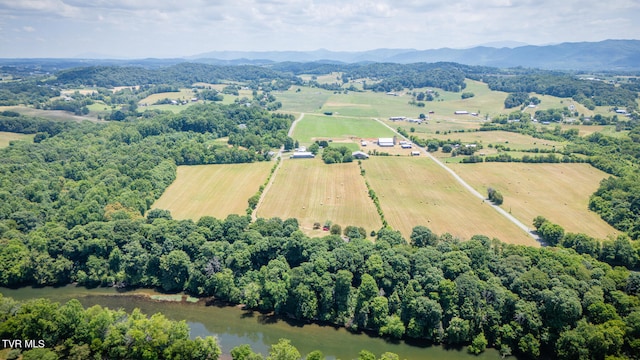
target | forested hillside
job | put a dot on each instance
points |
(184, 74)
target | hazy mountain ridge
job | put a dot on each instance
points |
(603, 55)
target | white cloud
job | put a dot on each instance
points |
(163, 27)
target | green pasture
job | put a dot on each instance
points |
(352, 146)
(99, 108)
(183, 94)
(7, 137)
(55, 115)
(336, 127)
(302, 99)
(332, 78)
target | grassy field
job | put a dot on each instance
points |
(7, 137)
(514, 141)
(55, 115)
(559, 192)
(335, 127)
(302, 99)
(312, 191)
(416, 191)
(215, 190)
(183, 94)
(332, 78)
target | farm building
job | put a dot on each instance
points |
(302, 155)
(460, 112)
(406, 146)
(415, 153)
(359, 155)
(386, 142)
(363, 143)
(397, 118)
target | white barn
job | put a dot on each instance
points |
(386, 142)
(302, 155)
(359, 155)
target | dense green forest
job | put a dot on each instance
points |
(183, 74)
(522, 300)
(71, 332)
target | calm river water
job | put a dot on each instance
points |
(233, 326)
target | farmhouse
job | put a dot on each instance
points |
(386, 142)
(359, 155)
(302, 155)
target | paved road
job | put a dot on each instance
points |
(273, 176)
(467, 186)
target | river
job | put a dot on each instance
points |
(234, 326)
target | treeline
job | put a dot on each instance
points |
(71, 332)
(68, 331)
(11, 121)
(527, 127)
(549, 158)
(183, 74)
(588, 93)
(29, 92)
(396, 77)
(480, 292)
(619, 251)
(387, 77)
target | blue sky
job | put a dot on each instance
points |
(160, 28)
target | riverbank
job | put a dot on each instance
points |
(234, 326)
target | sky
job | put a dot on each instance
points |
(164, 29)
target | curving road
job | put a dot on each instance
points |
(467, 186)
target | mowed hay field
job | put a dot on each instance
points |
(559, 192)
(332, 127)
(7, 137)
(311, 191)
(416, 191)
(214, 190)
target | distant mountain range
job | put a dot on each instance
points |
(607, 55)
(615, 55)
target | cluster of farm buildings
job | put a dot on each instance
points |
(302, 153)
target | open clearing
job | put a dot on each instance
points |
(311, 191)
(214, 190)
(332, 127)
(559, 192)
(183, 94)
(55, 115)
(416, 191)
(302, 99)
(7, 137)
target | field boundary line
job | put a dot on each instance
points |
(254, 213)
(467, 186)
